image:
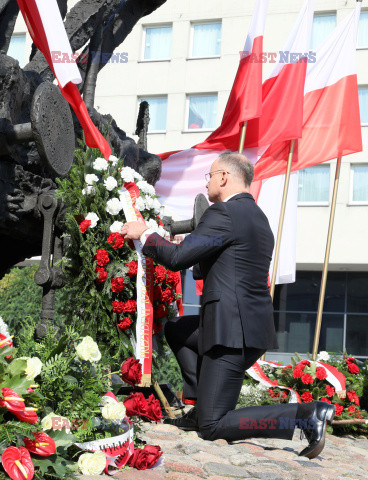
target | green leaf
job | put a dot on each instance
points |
(17, 383)
(70, 379)
(61, 438)
(58, 464)
(16, 367)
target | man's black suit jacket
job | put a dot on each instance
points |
(233, 243)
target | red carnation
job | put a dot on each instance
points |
(131, 371)
(115, 240)
(146, 457)
(325, 399)
(288, 366)
(84, 225)
(330, 391)
(160, 273)
(339, 409)
(157, 327)
(130, 306)
(321, 373)
(136, 405)
(306, 378)
(349, 359)
(272, 393)
(117, 284)
(351, 408)
(307, 397)
(353, 368)
(118, 307)
(102, 275)
(125, 323)
(304, 363)
(157, 293)
(298, 372)
(168, 296)
(160, 312)
(133, 268)
(102, 257)
(154, 409)
(173, 278)
(353, 397)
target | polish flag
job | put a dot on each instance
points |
(47, 30)
(331, 124)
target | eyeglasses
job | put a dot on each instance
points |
(208, 176)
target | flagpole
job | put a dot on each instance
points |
(242, 137)
(322, 293)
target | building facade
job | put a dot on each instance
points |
(182, 59)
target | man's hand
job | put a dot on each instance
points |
(133, 230)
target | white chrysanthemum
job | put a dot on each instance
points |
(138, 177)
(127, 174)
(151, 223)
(33, 368)
(114, 206)
(140, 204)
(100, 164)
(89, 190)
(92, 463)
(110, 183)
(90, 178)
(156, 205)
(114, 160)
(93, 217)
(146, 188)
(116, 227)
(114, 411)
(323, 356)
(4, 328)
(88, 350)
(149, 203)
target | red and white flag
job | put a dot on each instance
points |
(47, 30)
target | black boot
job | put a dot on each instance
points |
(188, 421)
(315, 432)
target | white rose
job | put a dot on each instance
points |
(110, 183)
(93, 217)
(89, 190)
(90, 178)
(52, 420)
(114, 411)
(34, 367)
(113, 206)
(140, 204)
(116, 227)
(146, 188)
(92, 463)
(127, 174)
(324, 356)
(88, 350)
(114, 160)
(100, 164)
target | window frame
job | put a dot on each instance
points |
(359, 47)
(21, 34)
(145, 97)
(143, 46)
(191, 38)
(352, 202)
(321, 14)
(317, 203)
(186, 119)
(362, 124)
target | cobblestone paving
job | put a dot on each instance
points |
(188, 457)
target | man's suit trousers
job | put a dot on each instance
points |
(215, 380)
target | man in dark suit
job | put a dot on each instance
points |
(233, 244)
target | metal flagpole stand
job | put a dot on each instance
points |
(327, 258)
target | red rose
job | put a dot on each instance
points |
(136, 405)
(160, 273)
(306, 397)
(125, 323)
(102, 257)
(306, 378)
(146, 457)
(168, 296)
(102, 275)
(133, 268)
(117, 284)
(118, 307)
(353, 368)
(321, 373)
(349, 359)
(42, 444)
(160, 312)
(351, 408)
(324, 399)
(157, 293)
(298, 372)
(115, 240)
(353, 397)
(339, 409)
(84, 225)
(157, 327)
(131, 371)
(330, 391)
(173, 278)
(154, 409)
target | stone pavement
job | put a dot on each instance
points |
(188, 457)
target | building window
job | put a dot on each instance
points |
(314, 185)
(323, 24)
(205, 39)
(363, 105)
(157, 113)
(201, 112)
(17, 48)
(359, 184)
(363, 30)
(157, 43)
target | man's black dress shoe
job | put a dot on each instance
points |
(188, 422)
(322, 414)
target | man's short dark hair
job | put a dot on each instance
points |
(239, 165)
